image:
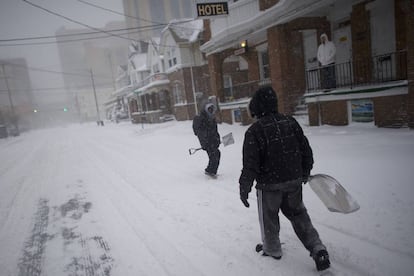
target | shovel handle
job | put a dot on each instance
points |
(191, 151)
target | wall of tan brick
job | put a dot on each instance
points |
(265, 4)
(361, 43)
(410, 58)
(181, 113)
(286, 59)
(390, 111)
(313, 114)
(334, 113)
(226, 116)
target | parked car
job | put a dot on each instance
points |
(3, 131)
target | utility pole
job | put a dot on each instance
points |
(96, 100)
(14, 118)
(192, 79)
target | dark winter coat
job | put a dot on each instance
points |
(205, 128)
(276, 153)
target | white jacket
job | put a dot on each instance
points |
(326, 52)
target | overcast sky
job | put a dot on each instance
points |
(19, 19)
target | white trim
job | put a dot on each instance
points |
(242, 103)
(284, 11)
(361, 94)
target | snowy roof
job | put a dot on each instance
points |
(185, 29)
(155, 42)
(139, 61)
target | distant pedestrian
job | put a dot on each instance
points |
(326, 57)
(277, 155)
(205, 128)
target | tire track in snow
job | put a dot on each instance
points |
(162, 251)
(106, 150)
(33, 252)
(217, 247)
(168, 219)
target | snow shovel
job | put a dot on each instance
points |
(333, 194)
(226, 140)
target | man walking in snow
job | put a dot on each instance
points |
(277, 155)
(205, 128)
(326, 57)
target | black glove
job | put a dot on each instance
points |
(243, 197)
(305, 179)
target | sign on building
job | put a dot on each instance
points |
(212, 9)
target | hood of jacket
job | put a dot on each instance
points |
(263, 102)
(207, 111)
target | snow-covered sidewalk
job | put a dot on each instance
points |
(126, 200)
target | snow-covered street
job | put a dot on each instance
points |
(127, 200)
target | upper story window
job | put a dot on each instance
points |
(263, 61)
(155, 68)
(171, 57)
(178, 94)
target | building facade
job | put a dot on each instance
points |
(150, 17)
(171, 80)
(373, 64)
(16, 96)
(90, 67)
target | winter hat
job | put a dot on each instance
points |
(263, 102)
(325, 36)
(208, 106)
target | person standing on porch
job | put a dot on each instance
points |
(326, 57)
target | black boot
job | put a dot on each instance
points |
(322, 260)
(274, 257)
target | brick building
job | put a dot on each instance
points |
(373, 65)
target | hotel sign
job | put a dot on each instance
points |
(212, 9)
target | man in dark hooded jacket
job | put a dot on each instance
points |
(205, 128)
(277, 155)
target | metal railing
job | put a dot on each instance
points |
(360, 71)
(152, 78)
(243, 90)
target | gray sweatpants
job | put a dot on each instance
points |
(291, 205)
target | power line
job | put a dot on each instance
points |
(88, 26)
(48, 89)
(50, 71)
(75, 21)
(63, 41)
(130, 16)
(81, 34)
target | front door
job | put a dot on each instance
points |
(343, 43)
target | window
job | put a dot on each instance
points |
(171, 56)
(155, 68)
(178, 94)
(264, 65)
(228, 87)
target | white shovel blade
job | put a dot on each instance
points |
(332, 194)
(228, 139)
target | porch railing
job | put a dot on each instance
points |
(153, 78)
(360, 71)
(243, 90)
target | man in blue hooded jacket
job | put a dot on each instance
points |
(205, 128)
(277, 155)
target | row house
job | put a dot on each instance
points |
(276, 43)
(116, 106)
(170, 80)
